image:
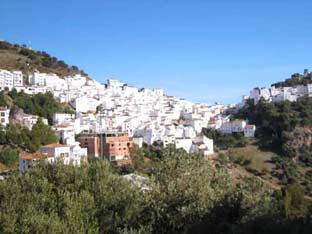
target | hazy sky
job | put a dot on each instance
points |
(197, 49)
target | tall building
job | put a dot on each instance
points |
(92, 143)
(10, 79)
(113, 146)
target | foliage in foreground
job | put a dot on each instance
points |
(186, 195)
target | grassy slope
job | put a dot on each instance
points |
(15, 57)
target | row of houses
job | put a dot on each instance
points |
(279, 94)
(238, 126)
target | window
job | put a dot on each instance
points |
(2, 114)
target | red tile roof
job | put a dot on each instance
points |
(250, 126)
(31, 156)
(55, 145)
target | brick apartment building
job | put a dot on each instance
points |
(92, 143)
(114, 146)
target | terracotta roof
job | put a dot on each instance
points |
(31, 156)
(250, 126)
(55, 145)
(63, 126)
(3, 108)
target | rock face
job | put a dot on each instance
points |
(17, 115)
(298, 141)
(301, 136)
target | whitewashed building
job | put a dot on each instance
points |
(4, 116)
(9, 80)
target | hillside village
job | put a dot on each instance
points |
(120, 112)
(109, 118)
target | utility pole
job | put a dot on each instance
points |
(101, 132)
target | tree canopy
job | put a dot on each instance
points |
(186, 195)
(20, 137)
(41, 104)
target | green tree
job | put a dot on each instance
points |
(8, 156)
(42, 133)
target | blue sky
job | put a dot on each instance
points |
(197, 49)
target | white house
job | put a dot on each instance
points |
(138, 141)
(184, 143)
(76, 81)
(249, 131)
(203, 144)
(26, 160)
(30, 120)
(6, 80)
(4, 116)
(62, 117)
(233, 126)
(85, 104)
(55, 151)
(76, 155)
(17, 78)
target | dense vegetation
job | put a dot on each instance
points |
(285, 128)
(16, 137)
(17, 57)
(186, 195)
(282, 126)
(8, 156)
(41, 104)
(296, 79)
(224, 141)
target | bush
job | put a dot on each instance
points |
(8, 156)
(295, 204)
(225, 141)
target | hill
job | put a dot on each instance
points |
(295, 79)
(285, 129)
(19, 57)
